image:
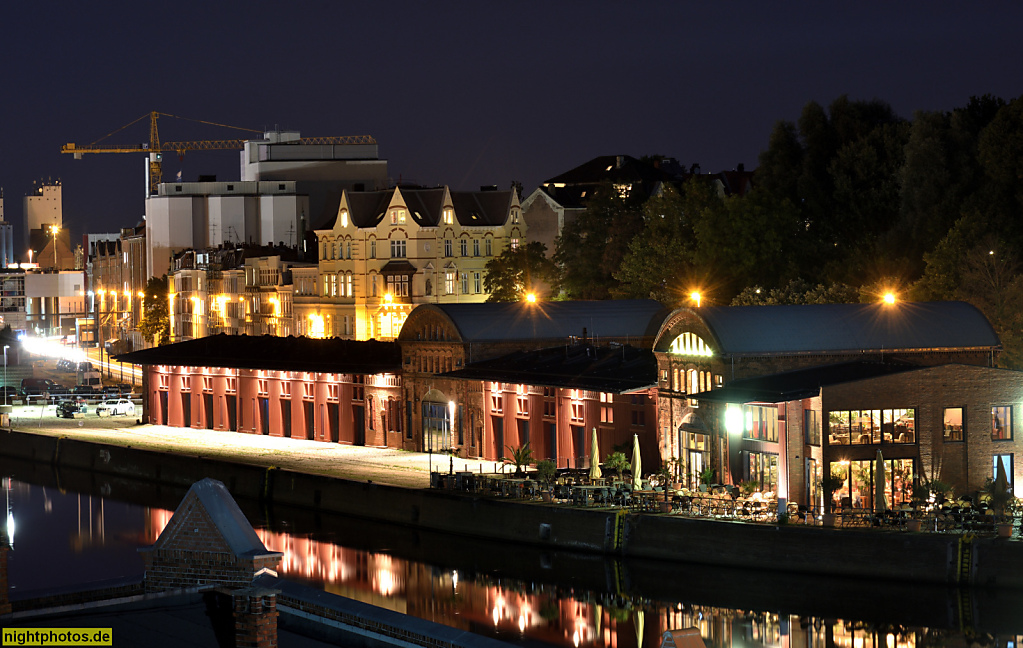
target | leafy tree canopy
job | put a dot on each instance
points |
(516, 272)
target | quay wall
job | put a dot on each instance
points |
(925, 557)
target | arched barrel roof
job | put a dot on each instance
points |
(509, 321)
(830, 328)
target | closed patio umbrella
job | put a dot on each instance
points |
(1001, 489)
(637, 620)
(880, 505)
(594, 458)
(637, 464)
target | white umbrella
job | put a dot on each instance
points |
(1001, 488)
(637, 464)
(637, 619)
(880, 505)
(594, 458)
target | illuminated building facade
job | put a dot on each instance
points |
(776, 395)
(388, 251)
(475, 379)
(339, 391)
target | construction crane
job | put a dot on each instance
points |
(155, 149)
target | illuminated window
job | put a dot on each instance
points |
(397, 216)
(953, 424)
(577, 411)
(690, 344)
(607, 408)
(812, 427)
(348, 285)
(1001, 423)
(514, 244)
(549, 403)
(449, 216)
(398, 285)
(449, 283)
(398, 249)
(761, 422)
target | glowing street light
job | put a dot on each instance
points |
(890, 298)
(53, 230)
(696, 297)
(531, 298)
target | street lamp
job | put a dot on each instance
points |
(6, 346)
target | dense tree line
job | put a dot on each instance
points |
(847, 199)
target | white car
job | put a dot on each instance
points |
(114, 407)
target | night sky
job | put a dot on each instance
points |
(465, 93)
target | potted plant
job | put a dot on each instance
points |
(747, 488)
(663, 480)
(618, 462)
(521, 457)
(545, 472)
(830, 484)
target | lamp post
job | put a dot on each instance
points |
(6, 397)
(53, 230)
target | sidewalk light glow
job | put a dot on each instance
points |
(733, 419)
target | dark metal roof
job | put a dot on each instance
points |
(801, 383)
(290, 353)
(511, 321)
(827, 328)
(615, 368)
(424, 206)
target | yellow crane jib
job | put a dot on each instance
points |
(154, 148)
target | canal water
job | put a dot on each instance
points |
(73, 529)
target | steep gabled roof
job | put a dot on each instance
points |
(270, 352)
(481, 208)
(225, 515)
(366, 207)
(424, 205)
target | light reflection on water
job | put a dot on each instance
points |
(68, 540)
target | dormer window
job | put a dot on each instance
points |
(344, 218)
(397, 216)
(449, 216)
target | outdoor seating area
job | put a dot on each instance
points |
(572, 487)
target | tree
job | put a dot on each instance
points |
(155, 324)
(659, 263)
(591, 248)
(515, 272)
(797, 291)
(993, 282)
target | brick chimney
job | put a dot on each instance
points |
(255, 617)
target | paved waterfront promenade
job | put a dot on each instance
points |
(381, 465)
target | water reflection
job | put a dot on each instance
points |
(67, 539)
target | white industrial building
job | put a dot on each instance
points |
(288, 188)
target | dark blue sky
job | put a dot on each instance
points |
(465, 93)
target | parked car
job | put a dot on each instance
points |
(115, 407)
(117, 390)
(9, 393)
(68, 408)
(86, 390)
